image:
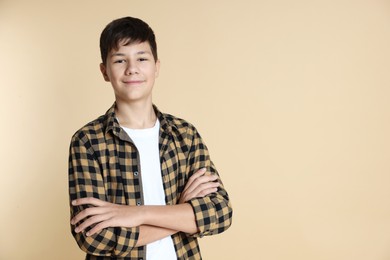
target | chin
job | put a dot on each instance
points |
(133, 99)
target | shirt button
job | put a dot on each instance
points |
(136, 174)
(138, 203)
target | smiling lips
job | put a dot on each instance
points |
(133, 82)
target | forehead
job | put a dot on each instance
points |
(127, 46)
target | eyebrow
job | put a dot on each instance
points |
(138, 53)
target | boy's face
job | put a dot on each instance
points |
(132, 71)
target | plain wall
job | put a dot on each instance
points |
(291, 97)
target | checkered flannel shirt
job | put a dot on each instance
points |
(104, 163)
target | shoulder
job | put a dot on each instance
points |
(92, 130)
(179, 125)
(182, 131)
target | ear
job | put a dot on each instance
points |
(157, 69)
(104, 72)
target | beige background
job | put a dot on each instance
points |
(292, 98)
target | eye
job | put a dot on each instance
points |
(119, 61)
(142, 59)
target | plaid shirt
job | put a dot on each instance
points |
(104, 163)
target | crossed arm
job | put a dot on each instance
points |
(155, 222)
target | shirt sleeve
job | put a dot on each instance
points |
(86, 180)
(213, 213)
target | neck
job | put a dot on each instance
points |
(135, 115)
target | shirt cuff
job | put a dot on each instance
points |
(205, 216)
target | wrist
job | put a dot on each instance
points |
(143, 215)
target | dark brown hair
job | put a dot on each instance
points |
(129, 30)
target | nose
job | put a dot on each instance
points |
(131, 68)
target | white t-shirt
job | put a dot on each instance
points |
(146, 141)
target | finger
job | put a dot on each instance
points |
(205, 186)
(206, 192)
(194, 177)
(89, 201)
(86, 213)
(201, 180)
(99, 227)
(201, 194)
(200, 191)
(92, 221)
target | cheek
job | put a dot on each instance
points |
(114, 74)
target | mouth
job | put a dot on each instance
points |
(133, 82)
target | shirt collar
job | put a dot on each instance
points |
(112, 123)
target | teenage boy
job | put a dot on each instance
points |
(141, 182)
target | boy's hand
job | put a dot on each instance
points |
(104, 214)
(199, 184)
